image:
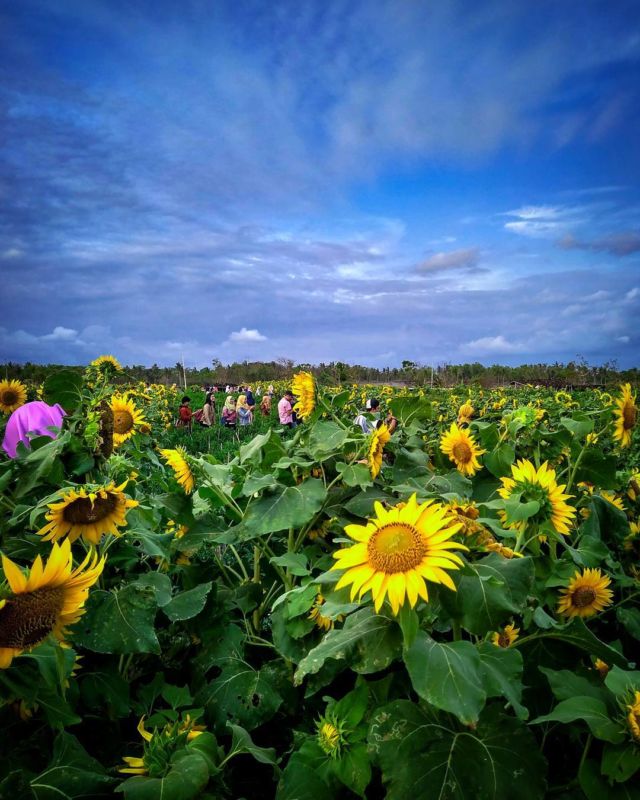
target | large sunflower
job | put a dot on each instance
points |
(13, 394)
(540, 486)
(462, 449)
(377, 440)
(626, 416)
(107, 362)
(46, 601)
(398, 551)
(303, 388)
(89, 512)
(127, 418)
(586, 594)
(177, 460)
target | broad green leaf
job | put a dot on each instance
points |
(577, 634)
(64, 387)
(620, 762)
(622, 683)
(597, 468)
(105, 691)
(296, 563)
(422, 756)
(326, 437)
(119, 621)
(496, 590)
(499, 461)
(288, 507)
(362, 504)
(299, 782)
(161, 584)
(187, 777)
(240, 694)
(71, 773)
(447, 675)
(579, 424)
(369, 641)
(355, 474)
(517, 511)
(565, 684)
(592, 711)
(630, 618)
(263, 450)
(501, 670)
(188, 604)
(597, 787)
(241, 742)
(408, 409)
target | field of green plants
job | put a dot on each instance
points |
(446, 609)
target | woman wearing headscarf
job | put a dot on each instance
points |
(245, 416)
(31, 419)
(208, 411)
(229, 415)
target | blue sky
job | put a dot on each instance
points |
(363, 181)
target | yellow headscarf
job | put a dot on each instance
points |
(242, 402)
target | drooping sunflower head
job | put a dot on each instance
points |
(321, 621)
(13, 394)
(44, 602)
(377, 440)
(465, 412)
(107, 364)
(601, 667)
(538, 485)
(467, 515)
(586, 595)
(626, 416)
(127, 418)
(303, 387)
(89, 512)
(177, 460)
(506, 637)
(633, 717)
(462, 449)
(398, 551)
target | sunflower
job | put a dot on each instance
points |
(539, 486)
(467, 515)
(13, 394)
(331, 735)
(626, 416)
(462, 449)
(586, 594)
(304, 389)
(398, 551)
(465, 412)
(107, 363)
(377, 440)
(127, 418)
(324, 623)
(160, 745)
(633, 718)
(46, 601)
(601, 667)
(89, 512)
(177, 460)
(506, 637)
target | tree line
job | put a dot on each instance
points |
(574, 373)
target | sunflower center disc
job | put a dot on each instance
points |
(28, 618)
(83, 512)
(461, 452)
(122, 421)
(629, 416)
(583, 597)
(504, 640)
(9, 397)
(396, 547)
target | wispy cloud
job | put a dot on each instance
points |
(454, 259)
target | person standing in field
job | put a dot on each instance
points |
(208, 411)
(245, 415)
(229, 415)
(184, 413)
(265, 406)
(285, 410)
(250, 400)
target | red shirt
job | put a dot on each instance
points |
(185, 414)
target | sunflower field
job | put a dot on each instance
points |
(446, 606)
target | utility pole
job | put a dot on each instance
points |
(184, 373)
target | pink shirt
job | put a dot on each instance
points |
(284, 411)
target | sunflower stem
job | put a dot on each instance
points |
(243, 569)
(256, 579)
(572, 474)
(584, 753)
(457, 630)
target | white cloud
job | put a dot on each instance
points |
(623, 339)
(247, 335)
(632, 294)
(491, 344)
(454, 259)
(60, 334)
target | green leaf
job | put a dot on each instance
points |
(161, 584)
(409, 624)
(630, 619)
(423, 756)
(499, 461)
(119, 621)
(622, 683)
(516, 511)
(620, 762)
(362, 504)
(300, 782)
(354, 474)
(353, 768)
(447, 675)
(597, 468)
(369, 641)
(596, 787)
(241, 742)
(105, 691)
(579, 424)
(577, 634)
(72, 773)
(565, 684)
(592, 711)
(263, 450)
(408, 409)
(188, 776)
(64, 387)
(240, 694)
(223, 643)
(501, 670)
(188, 604)
(289, 507)
(296, 563)
(177, 696)
(496, 590)
(326, 437)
